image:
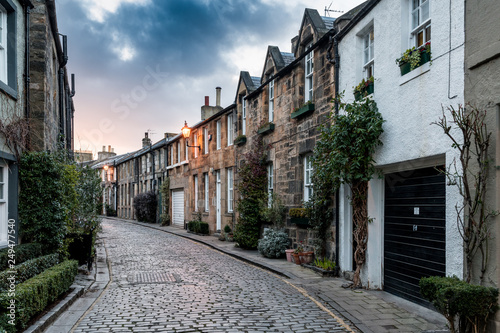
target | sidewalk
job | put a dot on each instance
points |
(368, 310)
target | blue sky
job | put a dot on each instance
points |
(146, 65)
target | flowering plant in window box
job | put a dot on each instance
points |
(298, 216)
(305, 109)
(364, 88)
(414, 57)
(265, 127)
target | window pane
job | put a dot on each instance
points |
(427, 33)
(425, 11)
(420, 38)
(415, 19)
(1, 174)
(416, 3)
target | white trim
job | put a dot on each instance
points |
(205, 140)
(271, 101)
(230, 130)
(3, 45)
(195, 143)
(309, 70)
(195, 193)
(308, 185)
(219, 136)
(244, 116)
(205, 176)
(230, 191)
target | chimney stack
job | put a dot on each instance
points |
(146, 142)
(217, 99)
(104, 149)
(109, 148)
(207, 101)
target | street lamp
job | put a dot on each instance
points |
(186, 132)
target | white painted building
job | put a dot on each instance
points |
(414, 231)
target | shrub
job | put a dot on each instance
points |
(227, 229)
(33, 295)
(23, 252)
(110, 211)
(28, 269)
(325, 264)
(145, 205)
(459, 302)
(297, 212)
(274, 244)
(198, 227)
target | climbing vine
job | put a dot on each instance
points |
(469, 134)
(252, 189)
(344, 155)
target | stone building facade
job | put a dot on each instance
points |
(50, 94)
(286, 107)
(482, 89)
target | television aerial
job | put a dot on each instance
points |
(328, 10)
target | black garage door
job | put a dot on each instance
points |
(414, 230)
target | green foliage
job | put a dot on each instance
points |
(325, 264)
(252, 188)
(110, 211)
(298, 212)
(227, 229)
(198, 227)
(28, 269)
(273, 244)
(468, 305)
(145, 205)
(23, 253)
(413, 56)
(43, 209)
(165, 195)
(89, 191)
(274, 213)
(33, 295)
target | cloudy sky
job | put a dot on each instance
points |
(146, 65)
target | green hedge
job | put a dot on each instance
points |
(33, 295)
(28, 269)
(23, 253)
(469, 305)
(198, 227)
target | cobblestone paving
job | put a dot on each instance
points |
(164, 283)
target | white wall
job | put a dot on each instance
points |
(408, 104)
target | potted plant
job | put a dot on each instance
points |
(240, 140)
(364, 88)
(325, 267)
(304, 110)
(298, 216)
(228, 233)
(296, 254)
(413, 58)
(265, 127)
(289, 253)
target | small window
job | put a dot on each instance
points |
(244, 116)
(206, 191)
(309, 74)
(186, 151)
(270, 182)
(229, 129)
(218, 134)
(368, 62)
(172, 162)
(178, 152)
(230, 190)
(3, 44)
(195, 143)
(195, 190)
(271, 101)
(205, 140)
(420, 22)
(308, 172)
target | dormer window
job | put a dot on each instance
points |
(271, 101)
(309, 74)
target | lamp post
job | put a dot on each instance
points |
(186, 132)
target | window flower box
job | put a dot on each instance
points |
(266, 128)
(240, 140)
(300, 221)
(303, 111)
(414, 58)
(364, 88)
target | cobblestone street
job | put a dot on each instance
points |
(164, 283)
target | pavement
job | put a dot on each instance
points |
(361, 310)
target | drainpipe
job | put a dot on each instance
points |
(27, 69)
(337, 192)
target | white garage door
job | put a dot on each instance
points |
(178, 208)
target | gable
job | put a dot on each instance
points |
(311, 30)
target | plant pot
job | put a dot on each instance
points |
(357, 95)
(303, 111)
(300, 221)
(370, 89)
(266, 128)
(424, 57)
(306, 257)
(296, 258)
(405, 68)
(240, 141)
(289, 254)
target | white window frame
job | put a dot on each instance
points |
(308, 171)
(205, 140)
(4, 198)
(172, 162)
(230, 190)
(178, 152)
(195, 140)
(218, 138)
(271, 101)
(3, 45)
(244, 116)
(368, 53)
(419, 25)
(309, 71)
(270, 183)
(195, 193)
(229, 129)
(206, 192)
(186, 150)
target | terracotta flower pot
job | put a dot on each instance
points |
(306, 257)
(289, 254)
(296, 258)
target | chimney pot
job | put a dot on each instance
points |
(104, 149)
(109, 148)
(146, 135)
(207, 101)
(217, 99)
